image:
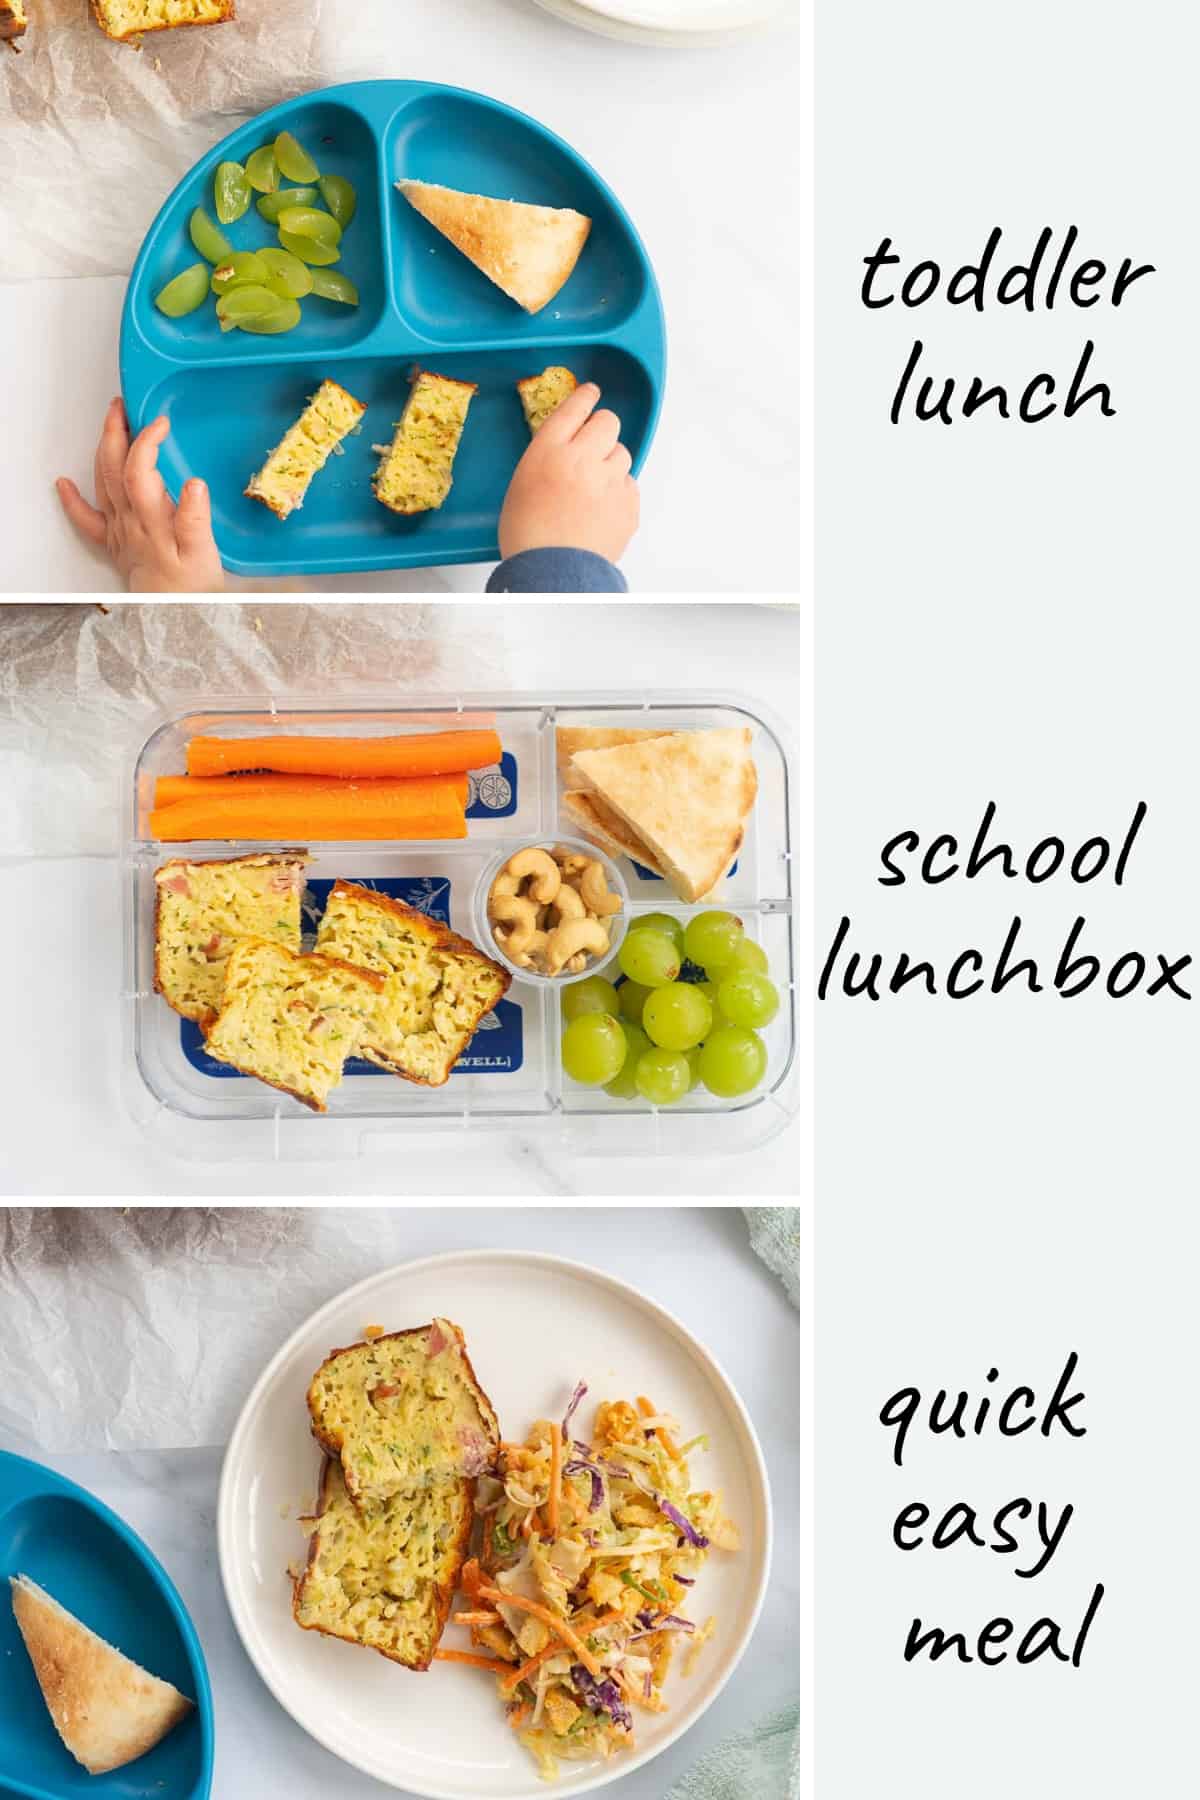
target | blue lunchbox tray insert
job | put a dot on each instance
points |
(90, 1561)
(231, 396)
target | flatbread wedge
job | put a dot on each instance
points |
(528, 251)
(570, 738)
(106, 1709)
(686, 796)
(599, 823)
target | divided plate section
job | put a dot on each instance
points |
(225, 421)
(342, 142)
(459, 140)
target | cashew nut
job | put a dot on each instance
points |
(542, 866)
(595, 890)
(533, 952)
(572, 936)
(577, 964)
(567, 904)
(521, 914)
(503, 884)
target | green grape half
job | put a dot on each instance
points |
(677, 1017)
(245, 268)
(208, 238)
(340, 197)
(624, 1086)
(292, 159)
(310, 250)
(663, 1076)
(184, 293)
(271, 205)
(660, 921)
(286, 274)
(310, 222)
(633, 999)
(712, 938)
(748, 998)
(258, 310)
(231, 192)
(271, 324)
(595, 995)
(732, 1061)
(649, 957)
(593, 1048)
(748, 955)
(262, 171)
(331, 284)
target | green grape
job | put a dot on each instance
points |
(339, 197)
(732, 1061)
(709, 990)
(286, 274)
(677, 1017)
(593, 1048)
(330, 284)
(293, 160)
(748, 955)
(231, 192)
(595, 995)
(693, 1062)
(258, 310)
(649, 957)
(310, 250)
(261, 170)
(747, 998)
(711, 940)
(632, 996)
(660, 922)
(209, 240)
(662, 1076)
(184, 293)
(272, 204)
(310, 222)
(245, 268)
(624, 1086)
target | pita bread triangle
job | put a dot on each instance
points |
(686, 796)
(568, 739)
(528, 251)
(602, 825)
(106, 1709)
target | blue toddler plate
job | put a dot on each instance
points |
(95, 1566)
(230, 397)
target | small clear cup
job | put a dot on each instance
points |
(617, 923)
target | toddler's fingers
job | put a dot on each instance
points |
(111, 452)
(193, 519)
(143, 483)
(567, 418)
(601, 433)
(85, 518)
(619, 460)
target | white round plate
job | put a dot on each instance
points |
(667, 24)
(534, 1326)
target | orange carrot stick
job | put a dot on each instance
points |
(548, 1618)
(423, 753)
(428, 808)
(647, 1412)
(169, 789)
(555, 1479)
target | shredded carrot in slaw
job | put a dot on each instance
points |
(495, 1664)
(477, 1618)
(552, 1620)
(648, 1411)
(556, 1458)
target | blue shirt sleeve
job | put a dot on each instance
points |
(557, 572)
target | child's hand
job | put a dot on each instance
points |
(158, 548)
(572, 489)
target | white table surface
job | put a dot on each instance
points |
(66, 1128)
(704, 149)
(704, 1272)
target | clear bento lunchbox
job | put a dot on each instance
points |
(511, 1075)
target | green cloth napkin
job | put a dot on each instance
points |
(764, 1762)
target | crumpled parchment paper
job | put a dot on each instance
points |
(96, 134)
(145, 1328)
(78, 685)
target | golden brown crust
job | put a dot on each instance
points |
(437, 935)
(205, 1017)
(11, 25)
(128, 37)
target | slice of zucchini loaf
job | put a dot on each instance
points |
(384, 1575)
(417, 468)
(438, 985)
(305, 448)
(202, 909)
(403, 1413)
(291, 1020)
